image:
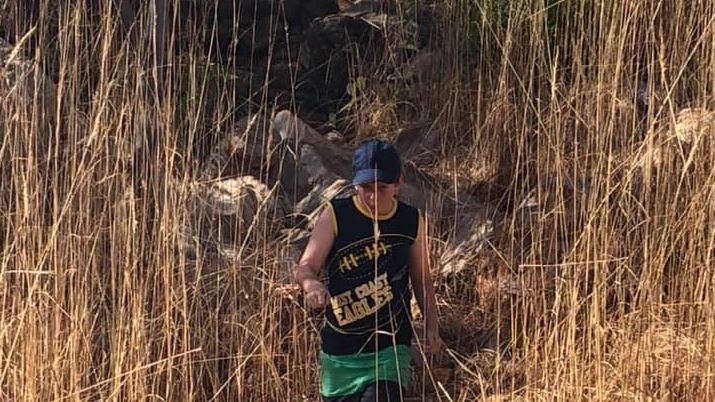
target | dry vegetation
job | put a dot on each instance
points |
(610, 290)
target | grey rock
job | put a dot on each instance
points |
(475, 224)
(314, 169)
(245, 150)
(224, 216)
(691, 124)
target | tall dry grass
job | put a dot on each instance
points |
(615, 298)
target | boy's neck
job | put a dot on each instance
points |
(383, 211)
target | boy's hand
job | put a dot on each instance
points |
(316, 294)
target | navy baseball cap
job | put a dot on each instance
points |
(375, 160)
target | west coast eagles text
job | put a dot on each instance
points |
(362, 301)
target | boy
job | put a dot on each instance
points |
(374, 247)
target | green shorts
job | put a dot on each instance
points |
(350, 374)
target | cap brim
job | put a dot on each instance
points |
(372, 175)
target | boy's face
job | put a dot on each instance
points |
(377, 194)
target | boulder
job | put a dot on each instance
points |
(300, 13)
(475, 224)
(691, 124)
(246, 149)
(314, 169)
(223, 217)
(330, 46)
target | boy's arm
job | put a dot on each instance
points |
(424, 288)
(314, 256)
